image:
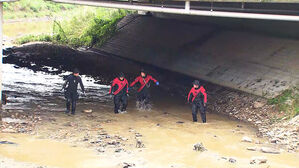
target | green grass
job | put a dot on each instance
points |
(30, 38)
(35, 8)
(86, 28)
(288, 102)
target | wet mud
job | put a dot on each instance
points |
(163, 137)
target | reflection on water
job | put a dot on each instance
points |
(25, 87)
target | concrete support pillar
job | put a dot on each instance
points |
(187, 5)
(1, 47)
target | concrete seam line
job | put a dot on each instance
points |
(184, 12)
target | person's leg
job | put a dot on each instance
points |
(139, 103)
(68, 105)
(74, 104)
(116, 103)
(194, 112)
(74, 98)
(124, 102)
(202, 113)
(139, 96)
(147, 103)
(146, 98)
(68, 102)
(143, 100)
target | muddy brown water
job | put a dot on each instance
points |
(47, 152)
(167, 132)
(167, 143)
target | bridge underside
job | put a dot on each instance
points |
(246, 59)
(261, 64)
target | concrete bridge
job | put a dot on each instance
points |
(235, 9)
(205, 40)
(204, 51)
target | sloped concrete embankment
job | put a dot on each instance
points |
(260, 64)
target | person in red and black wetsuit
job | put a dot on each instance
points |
(143, 91)
(119, 89)
(198, 98)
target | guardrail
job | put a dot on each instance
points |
(187, 10)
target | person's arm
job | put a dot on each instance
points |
(134, 82)
(203, 91)
(153, 79)
(112, 85)
(65, 84)
(127, 86)
(190, 95)
(82, 86)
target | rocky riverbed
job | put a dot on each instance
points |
(256, 111)
(134, 139)
(41, 114)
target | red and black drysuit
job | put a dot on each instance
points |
(198, 97)
(119, 89)
(143, 91)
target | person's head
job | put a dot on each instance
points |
(121, 76)
(76, 72)
(142, 73)
(196, 84)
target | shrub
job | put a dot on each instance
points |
(92, 28)
(30, 38)
(288, 102)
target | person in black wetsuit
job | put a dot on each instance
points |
(119, 88)
(70, 88)
(198, 98)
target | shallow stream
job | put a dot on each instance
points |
(167, 132)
